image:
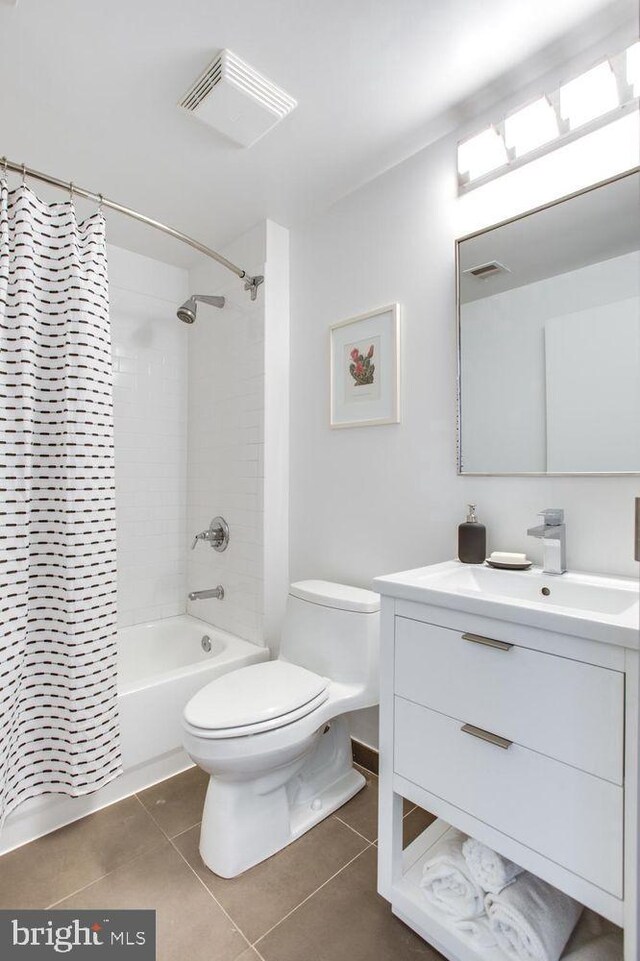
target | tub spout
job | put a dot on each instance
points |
(217, 592)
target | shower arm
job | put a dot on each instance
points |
(251, 283)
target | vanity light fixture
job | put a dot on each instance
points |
(531, 127)
(481, 154)
(633, 68)
(600, 95)
(589, 96)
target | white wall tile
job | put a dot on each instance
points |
(226, 436)
(190, 429)
(150, 426)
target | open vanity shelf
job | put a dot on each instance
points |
(410, 905)
(520, 730)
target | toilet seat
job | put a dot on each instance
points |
(258, 698)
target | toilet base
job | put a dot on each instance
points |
(245, 822)
(306, 816)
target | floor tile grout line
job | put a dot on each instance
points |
(223, 909)
(170, 840)
(364, 837)
(169, 837)
(180, 833)
(370, 844)
(211, 894)
(141, 854)
(155, 821)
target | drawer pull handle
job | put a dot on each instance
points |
(486, 736)
(487, 641)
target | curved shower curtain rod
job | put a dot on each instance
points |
(250, 283)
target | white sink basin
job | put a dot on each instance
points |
(589, 605)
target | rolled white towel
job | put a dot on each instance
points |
(478, 930)
(608, 947)
(488, 868)
(532, 920)
(446, 882)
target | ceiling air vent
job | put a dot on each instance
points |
(482, 271)
(236, 100)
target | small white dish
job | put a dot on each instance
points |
(508, 567)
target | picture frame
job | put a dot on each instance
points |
(364, 375)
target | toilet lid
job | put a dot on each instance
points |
(255, 695)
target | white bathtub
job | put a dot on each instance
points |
(161, 665)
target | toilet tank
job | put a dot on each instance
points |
(334, 630)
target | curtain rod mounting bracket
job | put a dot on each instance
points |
(252, 283)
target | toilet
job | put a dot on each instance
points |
(273, 736)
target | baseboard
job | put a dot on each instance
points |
(367, 757)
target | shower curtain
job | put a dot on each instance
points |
(58, 699)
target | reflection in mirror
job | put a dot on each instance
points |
(549, 338)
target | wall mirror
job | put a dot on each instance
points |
(549, 338)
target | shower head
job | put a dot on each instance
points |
(187, 311)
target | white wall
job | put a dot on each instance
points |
(150, 421)
(373, 500)
(276, 432)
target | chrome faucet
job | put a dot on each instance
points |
(553, 533)
(217, 592)
(217, 534)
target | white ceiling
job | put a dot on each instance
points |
(89, 91)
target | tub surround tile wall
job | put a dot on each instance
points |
(238, 438)
(226, 444)
(199, 431)
(150, 427)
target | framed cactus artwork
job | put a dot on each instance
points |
(365, 369)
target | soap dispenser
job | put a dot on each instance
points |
(472, 539)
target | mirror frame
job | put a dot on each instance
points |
(476, 233)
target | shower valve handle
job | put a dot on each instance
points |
(217, 534)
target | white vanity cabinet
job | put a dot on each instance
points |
(521, 736)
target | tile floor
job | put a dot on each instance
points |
(314, 901)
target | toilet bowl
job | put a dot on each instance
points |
(273, 736)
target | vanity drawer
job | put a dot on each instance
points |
(569, 816)
(566, 709)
